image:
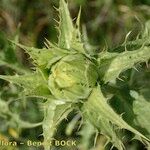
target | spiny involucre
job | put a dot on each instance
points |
(67, 75)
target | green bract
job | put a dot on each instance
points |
(72, 78)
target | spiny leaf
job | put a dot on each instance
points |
(131, 45)
(143, 38)
(111, 133)
(105, 128)
(97, 106)
(70, 36)
(33, 84)
(65, 27)
(54, 112)
(43, 57)
(110, 68)
(76, 42)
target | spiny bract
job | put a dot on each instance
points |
(70, 77)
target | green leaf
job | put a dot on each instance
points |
(111, 66)
(104, 126)
(65, 26)
(142, 39)
(54, 112)
(103, 116)
(70, 36)
(33, 84)
(43, 57)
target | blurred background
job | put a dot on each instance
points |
(106, 23)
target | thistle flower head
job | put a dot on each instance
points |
(73, 77)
